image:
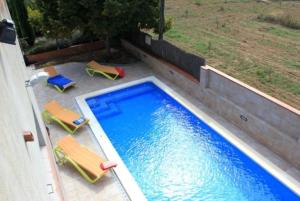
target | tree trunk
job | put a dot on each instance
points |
(57, 44)
(161, 20)
(25, 25)
(107, 46)
(13, 10)
(20, 17)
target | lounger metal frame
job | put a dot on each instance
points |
(58, 88)
(63, 158)
(91, 72)
(52, 72)
(48, 118)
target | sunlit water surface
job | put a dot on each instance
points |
(175, 156)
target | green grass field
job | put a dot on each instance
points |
(229, 35)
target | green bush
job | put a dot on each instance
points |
(168, 24)
(35, 19)
(286, 20)
(167, 27)
(44, 44)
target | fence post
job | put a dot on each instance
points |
(204, 76)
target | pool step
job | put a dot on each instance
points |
(106, 105)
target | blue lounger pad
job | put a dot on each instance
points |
(60, 81)
(79, 121)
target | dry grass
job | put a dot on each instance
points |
(229, 35)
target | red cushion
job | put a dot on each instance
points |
(107, 165)
(120, 71)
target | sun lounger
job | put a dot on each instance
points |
(69, 120)
(109, 72)
(58, 81)
(85, 161)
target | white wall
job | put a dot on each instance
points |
(20, 163)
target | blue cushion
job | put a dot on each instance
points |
(79, 121)
(60, 81)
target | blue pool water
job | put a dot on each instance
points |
(175, 156)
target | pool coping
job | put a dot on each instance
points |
(128, 182)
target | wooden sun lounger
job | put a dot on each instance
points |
(84, 160)
(65, 117)
(53, 73)
(109, 72)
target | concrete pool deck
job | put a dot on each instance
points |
(108, 188)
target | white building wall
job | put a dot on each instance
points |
(21, 176)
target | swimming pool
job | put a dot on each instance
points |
(170, 152)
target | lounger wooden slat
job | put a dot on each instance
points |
(96, 66)
(109, 72)
(54, 111)
(65, 115)
(68, 117)
(85, 158)
(53, 107)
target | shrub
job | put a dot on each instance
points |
(168, 24)
(167, 27)
(286, 20)
(35, 19)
